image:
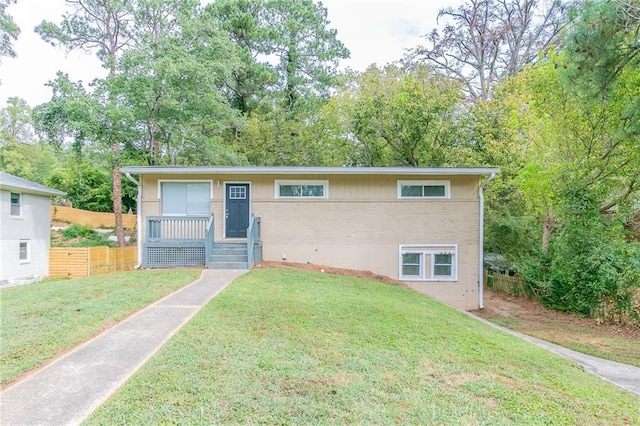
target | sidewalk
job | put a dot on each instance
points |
(622, 375)
(68, 390)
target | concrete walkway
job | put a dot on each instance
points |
(68, 390)
(622, 375)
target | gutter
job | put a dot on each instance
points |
(481, 243)
(138, 219)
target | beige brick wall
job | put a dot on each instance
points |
(360, 226)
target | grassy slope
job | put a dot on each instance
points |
(292, 347)
(42, 320)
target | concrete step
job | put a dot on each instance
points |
(228, 256)
(227, 265)
(229, 245)
(233, 257)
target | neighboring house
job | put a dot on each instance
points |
(422, 226)
(25, 228)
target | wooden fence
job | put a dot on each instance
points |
(508, 284)
(76, 262)
(92, 219)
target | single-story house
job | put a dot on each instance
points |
(422, 226)
(25, 228)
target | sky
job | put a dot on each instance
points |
(374, 31)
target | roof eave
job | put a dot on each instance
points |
(256, 170)
(33, 191)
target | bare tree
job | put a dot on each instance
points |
(485, 41)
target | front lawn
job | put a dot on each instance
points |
(292, 347)
(41, 320)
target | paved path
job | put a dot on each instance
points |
(622, 375)
(68, 390)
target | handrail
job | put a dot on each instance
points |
(253, 235)
(209, 238)
(250, 241)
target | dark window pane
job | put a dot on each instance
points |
(434, 190)
(411, 191)
(290, 190)
(312, 190)
(411, 270)
(24, 251)
(15, 204)
(411, 258)
(443, 265)
(442, 270)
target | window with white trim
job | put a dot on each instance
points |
(185, 198)
(302, 189)
(16, 204)
(24, 252)
(424, 189)
(428, 262)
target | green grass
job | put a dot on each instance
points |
(603, 343)
(292, 347)
(39, 321)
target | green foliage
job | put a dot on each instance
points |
(34, 162)
(87, 186)
(401, 118)
(170, 87)
(74, 231)
(83, 236)
(288, 54)
(15, 122)
(8, 30)
(603, 43)
(590, 260)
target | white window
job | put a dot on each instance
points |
(424, 189)
(24, 254)
(192, 198)
(428, 262)
(16, 204)
(302, 189)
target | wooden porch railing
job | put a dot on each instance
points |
(176, 228)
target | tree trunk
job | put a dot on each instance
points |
(117, 194)
(547, 229)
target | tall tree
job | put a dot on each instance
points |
(307, 50)
(403, 117)
(603, 48)
(15, 122)
(245, 21)
(486, 41)
(8, 30)
(104, 27)
(171, 83)
(289, 51)
(21, 153)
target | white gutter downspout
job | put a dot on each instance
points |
(138, 219)
(481, 244)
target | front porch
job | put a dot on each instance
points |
(183, 241)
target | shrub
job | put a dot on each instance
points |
(84, 236)
(591, 263)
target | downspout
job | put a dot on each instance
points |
(481, 243)
(138, 219)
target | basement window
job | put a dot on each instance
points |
(428, 262)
